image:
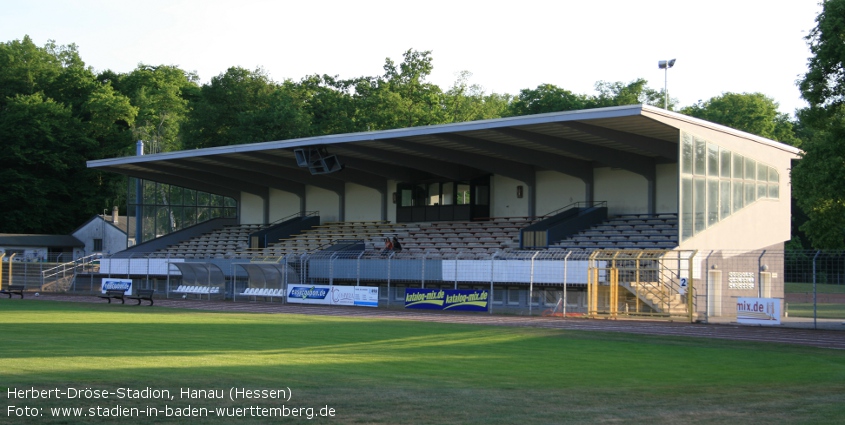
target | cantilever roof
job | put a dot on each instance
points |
(632, 137)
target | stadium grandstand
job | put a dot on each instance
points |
(631, 209)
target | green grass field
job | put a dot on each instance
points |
(402, 372)
(823, 310)
(807, 288)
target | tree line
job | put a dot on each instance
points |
(56, 113)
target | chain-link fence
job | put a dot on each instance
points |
(709, 284)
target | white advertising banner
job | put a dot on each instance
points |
(362, 296)
(758, 311)
(110, 284)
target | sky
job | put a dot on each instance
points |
(740, 46)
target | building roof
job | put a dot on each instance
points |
(124, 223)
(634, 138)
(48, 241)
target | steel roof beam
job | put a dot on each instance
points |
(657, 147)
(573, 167)
(638, 164)
(249, 171)
(179, 181)
(435, 167)
(209, 177)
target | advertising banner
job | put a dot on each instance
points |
(110, 284)
(758, 311)
(363, 296)
(447, 299)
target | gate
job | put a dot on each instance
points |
(649, 283)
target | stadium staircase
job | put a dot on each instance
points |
(61, 277)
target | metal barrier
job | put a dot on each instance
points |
(680, 285)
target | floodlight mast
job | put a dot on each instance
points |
(665, 65)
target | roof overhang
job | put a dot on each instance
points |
(631, 137)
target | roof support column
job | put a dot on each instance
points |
(651, 188)
(384, 202)
(589, 189)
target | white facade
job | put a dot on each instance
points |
(113, 238)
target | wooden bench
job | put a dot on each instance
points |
(143, 294)
(13, 289)
(117, 294)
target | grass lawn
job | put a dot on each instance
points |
(823, 311)
(392, 372)
(807, 288)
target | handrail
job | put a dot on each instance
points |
(586, 204)
(81, 261)
(294, 215)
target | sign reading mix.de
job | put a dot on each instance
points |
(447, 299)
(362, 296)
(758, 311)
(110, 284)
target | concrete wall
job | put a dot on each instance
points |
(556, 190)
(624, 191)
(324, 201)
(503, 199)
(282, 204)
(252, 209)
(362, 203)
(666, 189)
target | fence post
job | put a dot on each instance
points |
(815, 304)
(531, 285)
(492, 278)
(565, 266)
(690, 286)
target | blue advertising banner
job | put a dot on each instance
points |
(447, 299)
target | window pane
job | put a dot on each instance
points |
(726, 163)
(738, 164)
(448, 193)
(463, 194)
(774, 191)
(712, 160)
(773, 175)
(700, 197)
(686, 208)
(406, 198)
(762, 190)
(712, 201)
(700, 157)
(725, 199)
(750, 192)
(738, 195)
(513, 296)
(686, 154)
(750, 169)
(762, 173)
(433, 194)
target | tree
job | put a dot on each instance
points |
(618, 94)
(464, 102)
(818, 178)
(162, 95)
(401, 97)
(55, 115)
(546, 98)
(223, 108)
(753, 113)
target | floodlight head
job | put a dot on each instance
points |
(666, 64)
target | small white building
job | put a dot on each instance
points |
(106, 234)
